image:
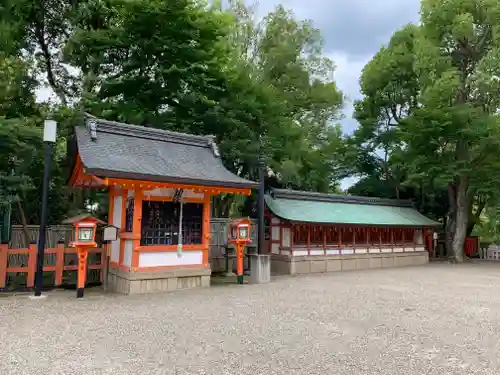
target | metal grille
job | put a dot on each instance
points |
(160, 223)
(192, 219)
(129, 215)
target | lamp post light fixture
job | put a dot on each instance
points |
(239, 235)
(49, 138)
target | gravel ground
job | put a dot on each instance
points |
(440, 319)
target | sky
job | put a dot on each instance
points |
(353, 30)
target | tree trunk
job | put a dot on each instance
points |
(24, 223)
(462, 219)
(450, 226)
(474, 217)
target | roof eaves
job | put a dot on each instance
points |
(244, 184)
(430, 224)
(323, 197)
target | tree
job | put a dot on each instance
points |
(285, 57)
(448, 131)
(184, 66)
(19, 135)
(455, 130)
(390, 91)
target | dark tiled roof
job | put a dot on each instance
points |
(333, 198)
(120, 150)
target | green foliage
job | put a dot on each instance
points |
(183, 65)
(284, 57)
(488, 228)
(19, 136)
(431, 103)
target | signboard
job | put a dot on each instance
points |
(110, 233)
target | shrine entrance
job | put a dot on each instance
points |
(160, 186)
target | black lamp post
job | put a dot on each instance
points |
(260, 207)
(49, 138)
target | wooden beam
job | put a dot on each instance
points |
(147, 185)
(123, 224)
(309, 239)
(98, 180)
(76, 172)
(206, 229)
(324, 228)
(136, 228)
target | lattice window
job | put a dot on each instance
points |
(316, 234)
(409, 235)
(386, 236)
(360, 236)
(332, 236)
(374, 236)
(398, 236)
(160, 223)
(192, 223)
(129, 215)
(299, 234)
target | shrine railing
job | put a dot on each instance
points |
(22, 263)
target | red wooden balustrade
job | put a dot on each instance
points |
(60, 251)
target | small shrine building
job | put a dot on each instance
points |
(160, 186)
(314, 232)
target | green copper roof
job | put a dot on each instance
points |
(325, 208)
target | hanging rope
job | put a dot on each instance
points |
(178, 197)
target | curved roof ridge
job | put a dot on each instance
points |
(129, 130)
(336, 198)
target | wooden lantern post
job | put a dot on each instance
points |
(239, 235)
(84, 229)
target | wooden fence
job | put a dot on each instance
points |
(21, 257)
(218, 230)
(62, 233)
(55, 234)
(57, 260)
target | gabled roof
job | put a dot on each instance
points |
(111, 149)
(311, 207)
(83, 217)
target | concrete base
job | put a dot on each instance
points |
(260, 269)
(347, 262)
(161, 281)
(33, 297)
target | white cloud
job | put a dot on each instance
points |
(45, 94)
(348, 71)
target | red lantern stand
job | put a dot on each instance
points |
(239, 236)
(84, 229)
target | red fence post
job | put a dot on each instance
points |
(59, 264)
(3, 264)
(32, 253)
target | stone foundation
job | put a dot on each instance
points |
(347, 262)
(160, 281)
